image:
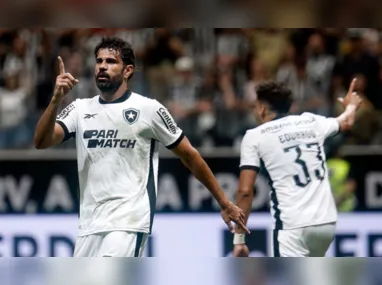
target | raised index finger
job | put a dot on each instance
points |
(61, 65)
(352, 86)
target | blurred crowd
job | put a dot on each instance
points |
(206, 77)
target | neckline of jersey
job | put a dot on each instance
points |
(280, 116)
(121, 99)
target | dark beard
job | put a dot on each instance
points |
(109, 86)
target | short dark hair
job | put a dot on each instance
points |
(277, 95)
(123, 47)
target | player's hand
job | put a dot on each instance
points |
(240, 250)
(64, 81)
(351, 97)
(232, 213)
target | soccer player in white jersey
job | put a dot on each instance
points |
(289, 148)
(117, 135)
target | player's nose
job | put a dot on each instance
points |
(102, 67)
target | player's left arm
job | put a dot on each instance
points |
(244, 193)
(168, 133)
(249, 167)
(192, 159)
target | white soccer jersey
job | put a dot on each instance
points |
(117, 153)
(290, 150)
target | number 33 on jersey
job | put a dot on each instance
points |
(290, 152)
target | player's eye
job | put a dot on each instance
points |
(99, 60)
(111, 60)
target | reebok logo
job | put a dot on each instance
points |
(89, 116)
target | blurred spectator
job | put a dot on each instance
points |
(257, 72)
(269, 46)
(228, 111)
(305, 96)
(231, 54)
(371, 38)
(286, 72)
(185, 103)
(358, 61)
(333, 38)
(14, 129)
(231, 46)
(161, 54)
(342, 183)
(200, 44)
(45, 63)
(206, 76)
(319, 69)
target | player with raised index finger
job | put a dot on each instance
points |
(117, 135)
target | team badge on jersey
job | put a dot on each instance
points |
(130, 115)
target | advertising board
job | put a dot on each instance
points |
(182, 235)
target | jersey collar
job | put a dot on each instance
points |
(279, 116)
(121, 99)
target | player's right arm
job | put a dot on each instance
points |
(48, 132)
(351, 102)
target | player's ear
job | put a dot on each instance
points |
(262, 109)
(128, 72)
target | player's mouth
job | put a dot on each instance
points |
(102, 77)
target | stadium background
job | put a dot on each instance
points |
(206, 77)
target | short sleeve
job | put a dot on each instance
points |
(67, 119)
(327, 127)
(164, 128)
(249, 155)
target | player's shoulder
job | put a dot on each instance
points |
(75, 105)
(312, 116)
(149, 106)
(144, 101)
(85, 101)
(253, 131)
(252, 135)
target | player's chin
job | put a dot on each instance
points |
(104, 86)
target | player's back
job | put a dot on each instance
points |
(290, 151)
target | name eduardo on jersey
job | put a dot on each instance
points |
(107, 139)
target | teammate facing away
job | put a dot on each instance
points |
(290, 150)
(117, 135)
